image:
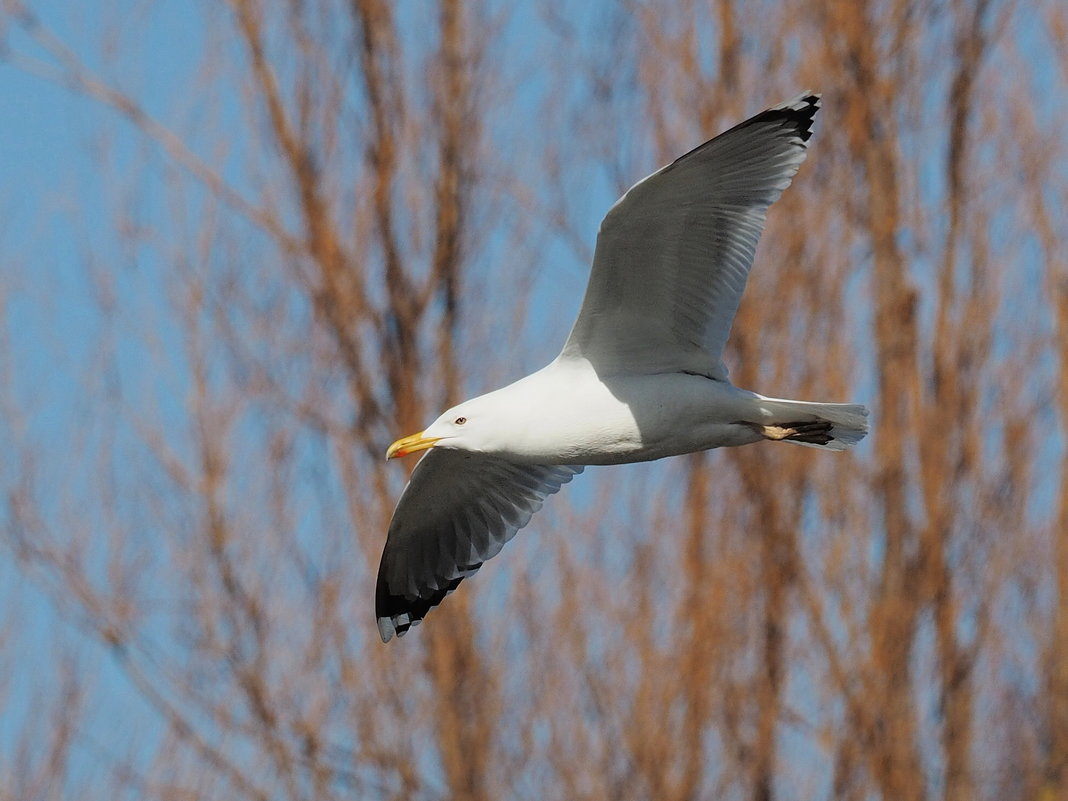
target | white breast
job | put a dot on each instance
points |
(567, 414)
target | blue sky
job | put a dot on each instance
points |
(69, 168)
(65, 164)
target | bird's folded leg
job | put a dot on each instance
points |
(817, 431)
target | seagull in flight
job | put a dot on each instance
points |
(640, 376)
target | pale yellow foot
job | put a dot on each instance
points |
(817, 431)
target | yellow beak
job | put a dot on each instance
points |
(406, 445)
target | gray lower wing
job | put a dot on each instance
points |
(458, 510)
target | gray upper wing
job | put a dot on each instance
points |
(458, 510)
(674, 253)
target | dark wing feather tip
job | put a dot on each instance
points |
(797, 114)
(398, 613)
(800, 113)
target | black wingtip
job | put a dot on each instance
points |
(794, 117)
(798, 113)
(398, 613)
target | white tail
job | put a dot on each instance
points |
(848, 421)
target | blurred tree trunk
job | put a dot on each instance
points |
(1057, 657)
(891, 736)
(1044, 210)
(465, 687)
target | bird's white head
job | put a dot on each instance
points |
(467, 427)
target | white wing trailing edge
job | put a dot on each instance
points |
(458, 510)
(674, 253)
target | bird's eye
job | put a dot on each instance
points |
(460, 421)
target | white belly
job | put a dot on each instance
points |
(580, 418)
